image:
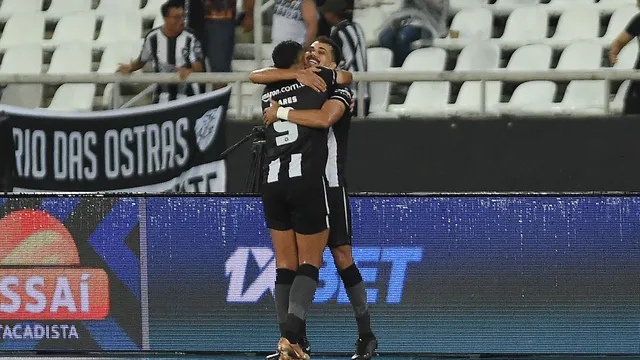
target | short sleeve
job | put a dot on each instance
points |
(145, 53)
(195, 53)
(343, 94)
(633, 28)
(328, 75)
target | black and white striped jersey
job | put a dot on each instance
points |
(167, 54)
(337, 139)
(293, 150)
(350, 38)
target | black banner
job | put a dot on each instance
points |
(507, 154)
(155, 148)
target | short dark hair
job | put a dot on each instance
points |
(335, 50)
(286, 53)
(171, 4)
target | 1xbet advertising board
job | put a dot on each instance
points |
(444, 275)
(69, 274)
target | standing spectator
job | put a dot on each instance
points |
(349, 37)
(416, 20)
(194, 16)
(632, 97)
(171, 48)
(324, 27)
(295, 20)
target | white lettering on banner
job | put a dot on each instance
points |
(166, 147)
(38, 331)
(31, 149)
(73, 155)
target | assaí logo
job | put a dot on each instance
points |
(41, 279)
(244, 288)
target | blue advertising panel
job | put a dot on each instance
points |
(444, 275)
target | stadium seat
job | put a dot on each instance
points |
(530, 97)
(579, 23)
(379, 59)
(531, 58)
(118, 6)
(23, 95)
(617, 105)
(118, 27)
(78, 27)
(61, 8)
(251, 101)
(73, 97)
(582, 55)
(245, 51)
(479, 56)
(391, 8)
(612, 6)
(469, 101)
(525, 25)
(10, 7)
(424, 98)
(152, 9)
(22, 59)
(113, 55)
(23, 28)
(557, 7)
(158, 21)
(618, 23)
(472, 24)
(425, 59)
(582, 97)
(71, 58)
(627, 57)
(371, 20)
(505, 7)
(248, 65)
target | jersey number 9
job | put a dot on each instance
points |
(290, 129)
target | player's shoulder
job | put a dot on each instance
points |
(328, 75)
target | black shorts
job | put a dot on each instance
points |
(339, 217)
(299, 204)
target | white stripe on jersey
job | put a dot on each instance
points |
(274, 170)
(331, 169)
(295, 166)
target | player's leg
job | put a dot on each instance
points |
(310, 223)
(339, 242)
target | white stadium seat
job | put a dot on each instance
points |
(152, 9)
(479, 56)
(23, 28)
(118, 6)
(379, 59)
(425, 59)
(611, 6)
(531, 58)
(627, 57)
(580, 23)
(371, 20)
(112, 56)
(525, 25)
(118, 27)
(557, 7)
(158, 21)
(582, 97)
(472, 24)
(581, 55)
(61, 8)
(424, 98)
(529, 98)
(617, 105)
(619, 21)
(10, 7)
(469, 101)
(73, 97)
(78, 27)
(457, 5)
(22, 59)
(71, 58)
(248, 65)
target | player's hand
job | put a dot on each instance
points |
(309, 78)
(184, 72)
(270, 113)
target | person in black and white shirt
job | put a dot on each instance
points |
(171, 48)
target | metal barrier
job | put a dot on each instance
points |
(238, 78)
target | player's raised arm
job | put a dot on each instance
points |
(332, 110)
(306, 77)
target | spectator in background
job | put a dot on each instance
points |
(349, 37)
(632, 97)
(324, 27)
(416, 20)
(295, 20)
(171, 48)
(194, 16)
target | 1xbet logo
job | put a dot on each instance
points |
(330, 287)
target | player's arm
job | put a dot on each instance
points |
(306, 77)
(632, 30)
(325, 117)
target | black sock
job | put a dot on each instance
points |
(357, 293)
(300, 298)
(284, 279)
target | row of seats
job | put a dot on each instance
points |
(69, 58)
(78, 27)
(525, 25)
(60, 8)
(553, 6)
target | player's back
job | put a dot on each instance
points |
(293, 150)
